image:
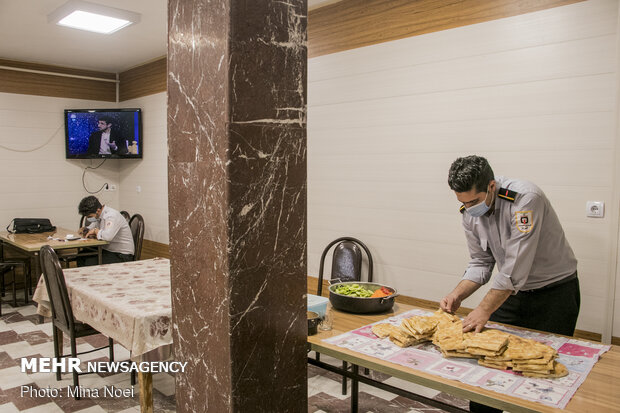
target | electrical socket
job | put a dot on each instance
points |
(110, 187)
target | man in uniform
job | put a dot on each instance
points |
(107, 224)
(511, 223)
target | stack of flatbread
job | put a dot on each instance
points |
(450, 339)
(531, 358)
(493, 348)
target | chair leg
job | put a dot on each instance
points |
(14, 292)
(76, 382)
(133, 378)
(56, 350)
(111, 345)
(345, 366)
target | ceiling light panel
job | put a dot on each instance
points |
(92, 17)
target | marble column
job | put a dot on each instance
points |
(237, 203)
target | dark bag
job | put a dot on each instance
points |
(30, 226)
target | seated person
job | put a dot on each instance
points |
(106, 224)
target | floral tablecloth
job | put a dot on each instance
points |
(129, 302)
(577, 355)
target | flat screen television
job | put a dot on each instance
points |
(103, 133)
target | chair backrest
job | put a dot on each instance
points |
(82, 221)
(346, 261)
(136, 224)
(62, 314)
(126, 215)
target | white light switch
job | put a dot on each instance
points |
(138, 189)
(595, 209)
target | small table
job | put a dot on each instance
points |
(599, 392)
(129, 302)
(30, 244)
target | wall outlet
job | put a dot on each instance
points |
(109, 187)
(595, 209)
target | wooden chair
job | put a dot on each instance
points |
(62, 314)
(346, 266)
(126, 215)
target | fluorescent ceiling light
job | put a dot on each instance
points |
(92, 17)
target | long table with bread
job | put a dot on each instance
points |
(599, 392)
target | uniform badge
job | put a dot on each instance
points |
(524, 221)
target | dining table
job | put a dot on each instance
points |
(28, 245)
(131, 303)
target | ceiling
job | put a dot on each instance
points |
(27, 36)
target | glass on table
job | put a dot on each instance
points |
(327, 321)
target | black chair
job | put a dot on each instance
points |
(346, 266)
(10, 267)
(136, 224)
(126, 215)
(62, 314)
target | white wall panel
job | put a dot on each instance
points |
(151, 172)
(533, 93)
(42, 183)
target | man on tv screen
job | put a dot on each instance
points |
(106, 140)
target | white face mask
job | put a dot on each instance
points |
(91, 219)
(480, 209)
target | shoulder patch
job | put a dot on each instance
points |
(524, 220)
(462, 209)
(507, 194)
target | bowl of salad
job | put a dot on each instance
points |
(362, 297)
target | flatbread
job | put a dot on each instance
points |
(383, 330)
(420, 325)
(502, 365)
(559, 370)
(450, 337)
(458, 353)
(401, 339)
(492, 340)
(533, 367)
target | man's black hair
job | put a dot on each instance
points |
(470, 172)
(106, 119)
(89, 205)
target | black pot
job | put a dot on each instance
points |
(313, 322)
(361, 305)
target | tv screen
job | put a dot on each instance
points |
(103, 133)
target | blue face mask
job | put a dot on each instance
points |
(480, 209)
(91, 219)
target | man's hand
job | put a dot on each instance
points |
(476, 320)
(92, 233)
(83, 231)
(450, 303)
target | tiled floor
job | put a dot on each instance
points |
(21, 335)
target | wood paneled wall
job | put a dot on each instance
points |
(143, 80)
(28, 83)
(152, 249)
(350, 24)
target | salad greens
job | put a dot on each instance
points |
(353, 290)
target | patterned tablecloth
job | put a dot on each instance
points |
(578, 356)
(129, 302)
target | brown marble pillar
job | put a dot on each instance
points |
(237, 203)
